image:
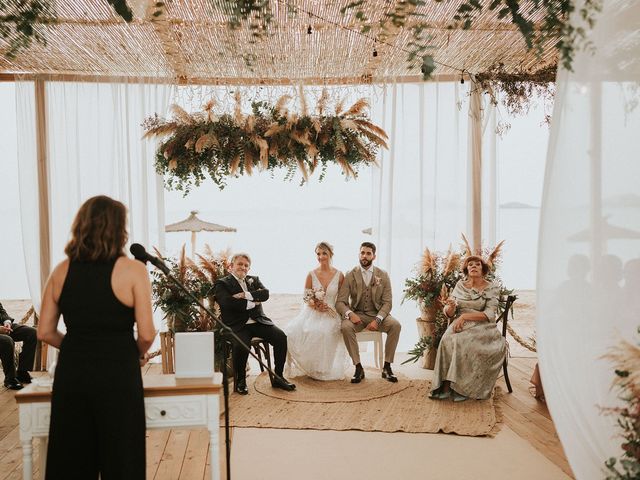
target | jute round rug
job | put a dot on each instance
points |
(407, 410)
(342, 391)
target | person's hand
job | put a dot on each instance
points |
(5, 330)
(355, 319)
(239, 295)
(144, 359)
(458, 325)
(322, 306)
(373, 326)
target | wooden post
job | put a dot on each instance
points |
(43, 201)
(475, 159)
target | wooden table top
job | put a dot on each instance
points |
(154, 386)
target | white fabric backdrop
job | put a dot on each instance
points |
(95, 147)
(419, 193)
(586, 269)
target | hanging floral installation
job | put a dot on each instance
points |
(271, 137)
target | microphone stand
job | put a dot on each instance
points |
(225, 380)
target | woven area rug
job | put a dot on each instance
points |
(406, 409)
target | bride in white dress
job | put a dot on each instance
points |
(314, 342)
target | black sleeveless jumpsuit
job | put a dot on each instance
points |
(97, 408)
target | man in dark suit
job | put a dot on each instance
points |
(240, 298)
(10, 332)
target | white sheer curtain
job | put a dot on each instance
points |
(419, 193)
(95, 147)
(588, 244)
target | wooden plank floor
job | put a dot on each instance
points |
(184, 454)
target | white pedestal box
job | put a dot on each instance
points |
(194, 354)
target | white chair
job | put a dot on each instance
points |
(378, 349)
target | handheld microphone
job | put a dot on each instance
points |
(142, 255)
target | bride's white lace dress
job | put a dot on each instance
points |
(314, 341)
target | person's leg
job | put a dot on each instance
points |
(392, 328)
(349, 330)
(8, 360)
(240, 355)
(26, 335)
(277, 339)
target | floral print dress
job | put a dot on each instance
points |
(471, 359)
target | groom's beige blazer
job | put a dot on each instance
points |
(350, 293)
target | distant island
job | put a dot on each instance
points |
(518, 205)
(335, 208)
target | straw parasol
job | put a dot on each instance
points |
(607, 231)
(367, 231)
(194, 225)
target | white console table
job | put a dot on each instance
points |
(169, 403)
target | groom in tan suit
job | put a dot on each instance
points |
(364, 302)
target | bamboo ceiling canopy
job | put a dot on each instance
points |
(191, 42)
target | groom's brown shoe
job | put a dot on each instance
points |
(358, 375)
(388, 373)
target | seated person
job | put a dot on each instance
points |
(472, 350)
(11, 332)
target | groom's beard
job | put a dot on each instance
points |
(364, 263)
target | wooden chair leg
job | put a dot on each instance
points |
(267, 353)
(257, 348)
(506, 376)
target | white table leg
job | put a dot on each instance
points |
(27, 459)
(214, 436)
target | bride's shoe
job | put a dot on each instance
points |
(440, 395)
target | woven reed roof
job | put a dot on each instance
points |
(191, 43)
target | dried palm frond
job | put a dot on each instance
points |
(263, 146)
(235, 163)
(626, 358)
(358, 107)
(162, 130)
(205, 141)
(237, 111)
(312, 151)
(315, 121)
(158, 254)
(303, 103)
(322, 101)
(208, 265)
(452, 264)
(340, 146)
(182, 264)
(346, 168)
(495, 254)
(365, 124)
(301, 137)
(292, 118)
(444, 294)
(303, 169)
(181, 115)
(340, 106)
(347, 124)
(189, 143)
(193, 267)
(427, 264)
(280, 107)
(273, 129)
(374, 138)
(467, 248)
(208, 110)
(249, 124)
(173, 164)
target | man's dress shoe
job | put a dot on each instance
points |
(13, 384)
(358, 375)
(241, 387)
(388, 374)
(282, 384)
(24, 377)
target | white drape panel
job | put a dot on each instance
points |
(419, 193)
(588, 268)
(95, 147)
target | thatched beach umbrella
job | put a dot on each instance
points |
(367, 231)
(607, 232)
(193, 224)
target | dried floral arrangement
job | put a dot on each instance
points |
(181, 314)
(517, 90)
(271, 137)
(435, 278)
(626, 359)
